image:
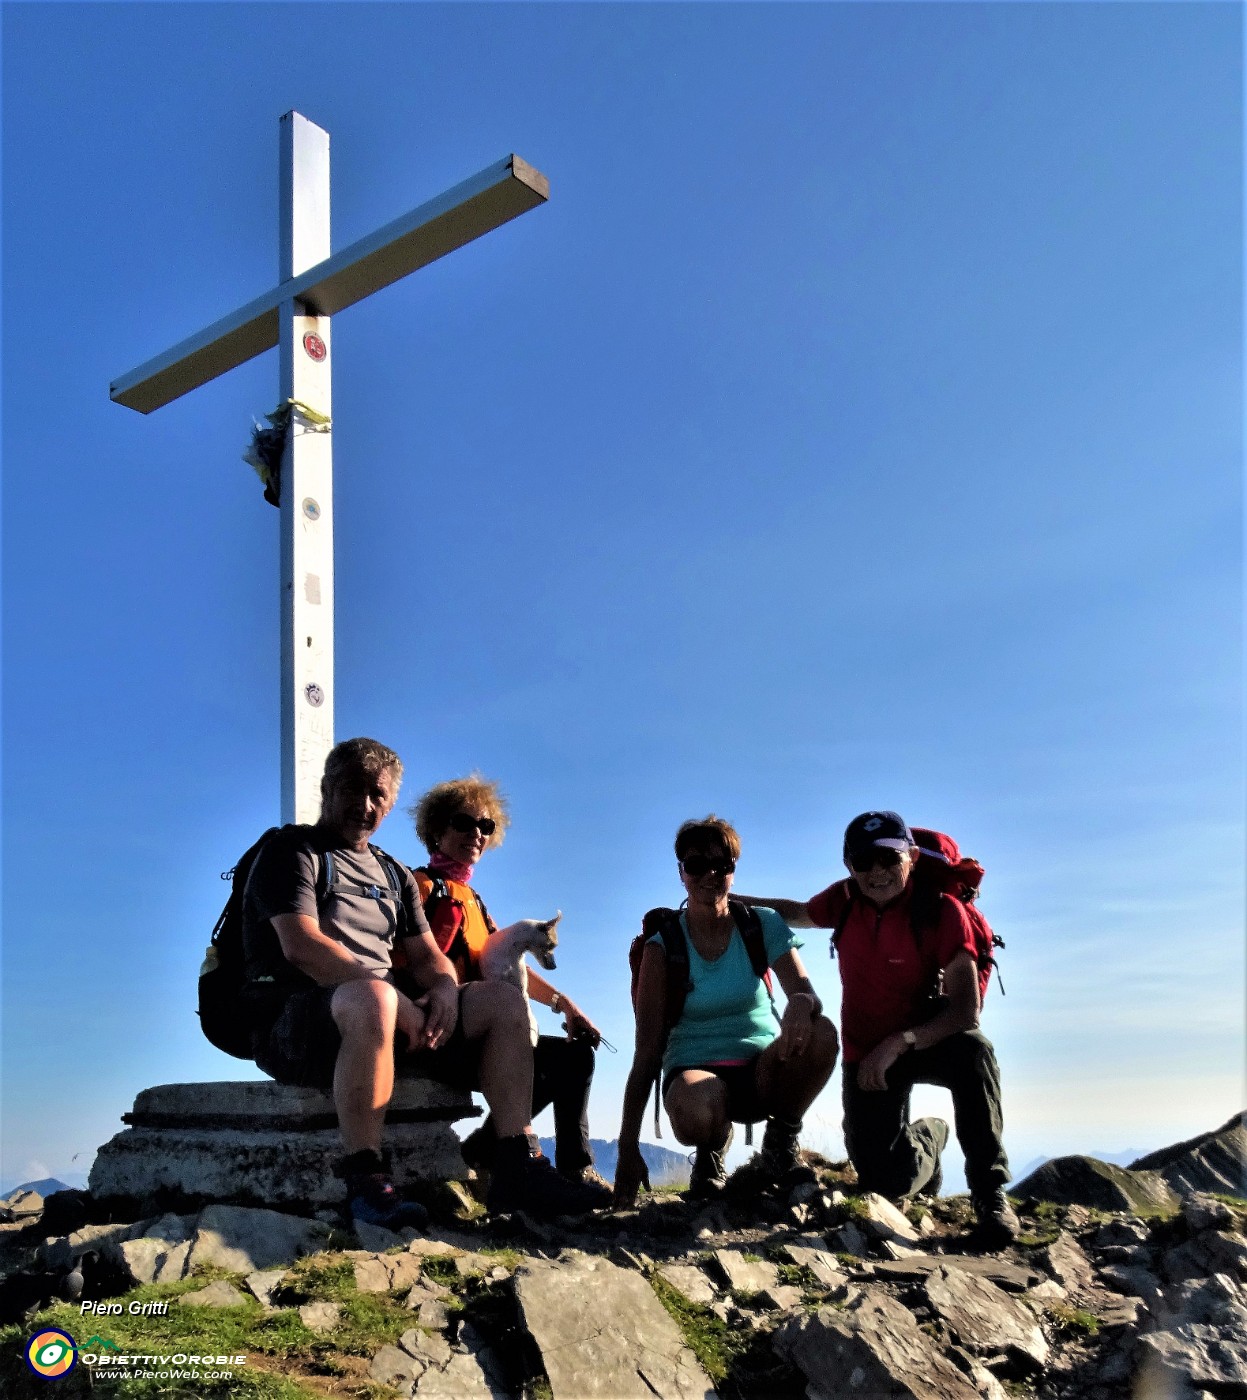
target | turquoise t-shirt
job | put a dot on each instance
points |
(727, 1014)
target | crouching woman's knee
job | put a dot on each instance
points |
(365, 1009)
(824, 1044)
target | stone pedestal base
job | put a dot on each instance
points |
(264, 1144)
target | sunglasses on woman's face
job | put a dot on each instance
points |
(462, 822)
(695, 866)
(877, 855)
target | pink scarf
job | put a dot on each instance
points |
(452, 869)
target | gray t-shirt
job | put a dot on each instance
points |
(360, 910)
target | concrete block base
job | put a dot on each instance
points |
(264, 1144)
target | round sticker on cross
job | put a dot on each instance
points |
(314, 346)
(315, 695)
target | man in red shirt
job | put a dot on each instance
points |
(909, 1015)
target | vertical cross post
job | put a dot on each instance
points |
(307, 688)
(313, 285)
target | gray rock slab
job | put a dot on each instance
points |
(746, 1275)
(263, 1284)
(1217, 1300)
(602, 1332)
(428, 1347)
(780, 1297)
(884, 1221)
(393, 1366)
(152, 1260)
(1017, 1278)
(218, 1294)
(1086, 1181)
(376, 1238)
(244, 1240)
(985, 1319)
(689, 1281)
(321, 1316)
(848, 1239)
(433, 1313)
(1204, 1212)
(431, 1247)
(824, 1266)
(463, 1378)
(1065, 1261)
(1192, 1354)
(873, 1349)
(21, 1205)
(372, 1275)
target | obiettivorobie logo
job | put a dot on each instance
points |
(51, 1354)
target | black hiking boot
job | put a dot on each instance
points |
(709, 1174)
(778, 1155)
(524, 1180)
(372, 1196)
(998, 1224)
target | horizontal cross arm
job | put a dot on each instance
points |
(496, 195)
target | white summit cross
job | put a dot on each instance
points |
(294, 316)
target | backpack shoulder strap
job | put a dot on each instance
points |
(665, 923)
(841, 923)
(749, 925)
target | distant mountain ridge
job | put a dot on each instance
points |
(665, 1168)
(45, 1186)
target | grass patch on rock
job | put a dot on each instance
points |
(707, 1336)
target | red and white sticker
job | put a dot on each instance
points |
(315, 347)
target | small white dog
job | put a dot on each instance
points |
(502, 958)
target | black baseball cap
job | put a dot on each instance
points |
(876, 829)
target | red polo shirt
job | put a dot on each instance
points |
(884, 975)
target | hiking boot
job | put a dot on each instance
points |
(709, 1174)
(593, 1180)
(998, 1224)
(371, 1194)
(375, 1200)
(525, 1180)
(938, 1131)
(778, 1155)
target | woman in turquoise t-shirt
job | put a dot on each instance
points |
(730, 1057)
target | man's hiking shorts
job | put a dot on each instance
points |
(300, 1046)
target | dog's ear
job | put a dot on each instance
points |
(550, 923)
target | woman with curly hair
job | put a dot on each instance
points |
(457, 822)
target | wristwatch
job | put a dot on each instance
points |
(556, 1000)
(910, 1039)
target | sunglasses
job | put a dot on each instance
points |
(877, 855)
(464, 823)
(695, 866)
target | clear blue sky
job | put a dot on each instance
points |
(860, 424)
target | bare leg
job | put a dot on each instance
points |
(496, 1014)
(365, 1012)
(696, 1103)
(787, 1087)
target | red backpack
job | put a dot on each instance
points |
(941, 870)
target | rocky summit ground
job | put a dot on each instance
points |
(815, 1290)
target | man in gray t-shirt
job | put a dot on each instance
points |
(345, 980)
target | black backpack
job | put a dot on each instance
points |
(223, 1008)
(666, 924)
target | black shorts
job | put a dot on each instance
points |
(741, 1083)
(300, 1046)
